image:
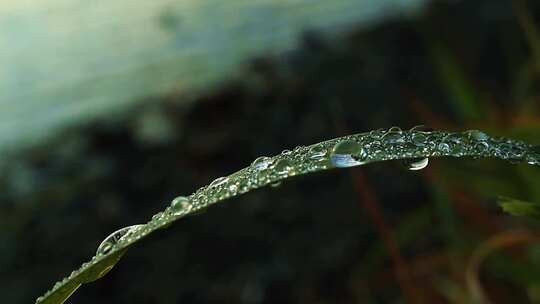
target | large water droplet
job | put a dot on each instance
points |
(180, 205)
(347, 153)
(416, 163)
(262, 163)
(108, 243)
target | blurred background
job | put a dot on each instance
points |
(110, 109)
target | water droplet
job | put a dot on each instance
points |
(347, 153)
(276, 184)
(262, 163)
(105, 248)
(422, 128)
(419, 139)
(286, 152)
(219, 181)
(283, 166)
(180, 204)
(477, 135)
(394, 138)
(480, 147)
(157, 216)
(416, 163)
(376, 133)
(443, 147)
(454, 138)
(533, 155)
(394, 130)
(317, 152)
(108, 243)
(233, 188)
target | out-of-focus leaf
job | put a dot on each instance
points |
(520, 208)
(463, 95)
(526, 20)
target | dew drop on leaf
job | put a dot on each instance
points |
(276, 184)
(218, 182)
(283, 166)
(419, 139)
(416, 163)
(347, 153)
(262, 163)
(480, 147)
(317, 152)
(108, 243)
(478, 135)
(180, 204)
(533, 155)
(443, 147)
(421, 128)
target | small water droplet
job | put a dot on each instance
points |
(276, 184)
(416, 163)
(105, 248)
(286, 152)
(443, 147)
(477, 135)
(262, 163)
(394, 137)
(283, 166)
(317, 152)
(422, 128)
(455, 138)
(233, 188)
(157, 216)
(533, 155)
(219, 181)
(108, 243)
(347, 153)
(419, 139)
(480, 147)
(376, 133)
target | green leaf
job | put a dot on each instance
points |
(348, 151)
(89, 272)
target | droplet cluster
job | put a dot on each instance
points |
(415, 146)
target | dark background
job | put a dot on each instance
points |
(376, 234)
